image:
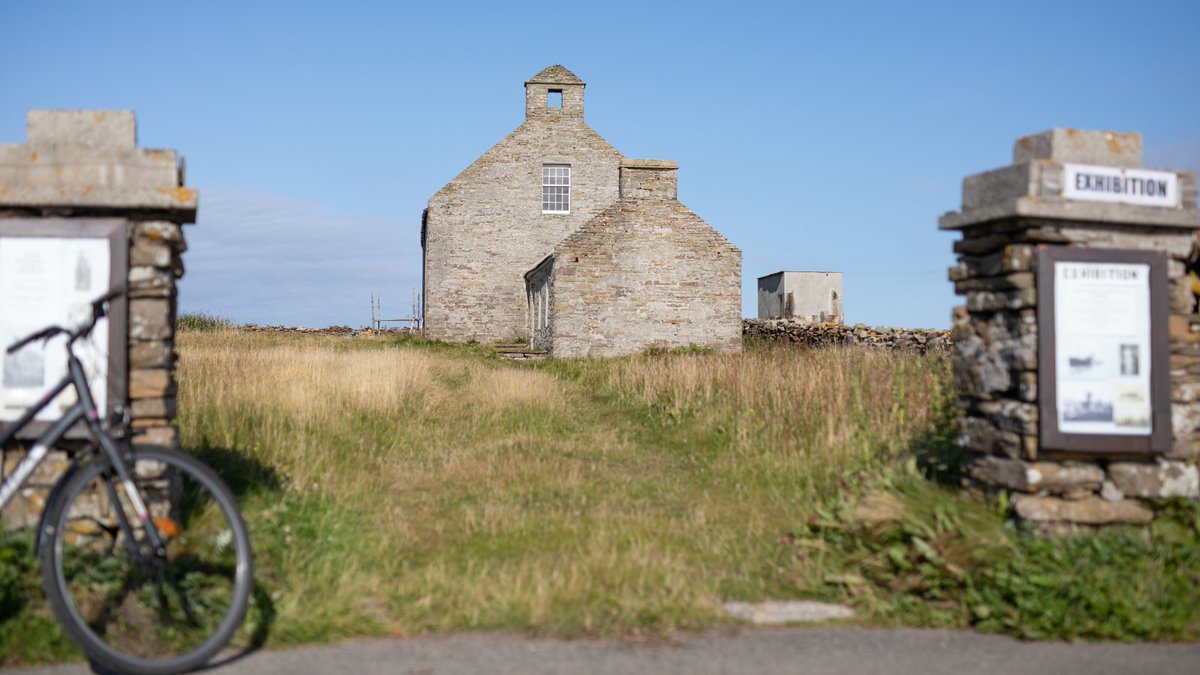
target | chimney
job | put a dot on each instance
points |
(649, 178)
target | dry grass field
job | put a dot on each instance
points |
(400, 486)
(424, 487)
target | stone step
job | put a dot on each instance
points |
(523, 356)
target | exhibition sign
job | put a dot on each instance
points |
(1103, 351)
(1118, 185)
(50, 272)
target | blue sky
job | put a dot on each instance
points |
(816, 136)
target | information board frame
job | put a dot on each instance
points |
(115, 232)
(1051, 436)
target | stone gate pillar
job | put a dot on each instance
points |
(80, 177)
(1077, 353)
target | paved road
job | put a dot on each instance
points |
(835, 651)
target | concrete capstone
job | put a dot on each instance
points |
(1080, 146)
(95, 129)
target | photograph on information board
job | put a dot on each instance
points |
(48, 281)
(1102, 340)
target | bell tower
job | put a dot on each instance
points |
(554, 92)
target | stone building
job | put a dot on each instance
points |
(644, 273)
(815, 297)
(506, 211)
(630, 266)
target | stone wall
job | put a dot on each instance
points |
(86, 164)
(485, 229)
(804, 333)
(1008, 215)
(646, 273)
(649, 179)
(155, 262)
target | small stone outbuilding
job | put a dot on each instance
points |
(645, 273)
(815, 297)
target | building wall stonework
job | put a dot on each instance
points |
(86, 164)
(646, 273)
(1009, 215)
(485, 228)
(554, 79)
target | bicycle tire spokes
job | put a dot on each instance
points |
(146, 561)
(134, 601)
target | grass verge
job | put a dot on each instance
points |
(398, 486)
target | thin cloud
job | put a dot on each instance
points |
(266, 259)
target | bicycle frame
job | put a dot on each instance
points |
(83, 409)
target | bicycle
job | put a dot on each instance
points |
(145, 557)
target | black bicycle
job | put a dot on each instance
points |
(145, 558)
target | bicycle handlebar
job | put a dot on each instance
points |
(99, 309)
(44, 333)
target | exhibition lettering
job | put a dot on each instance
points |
(1120, 185)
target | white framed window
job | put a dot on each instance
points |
(556, 188)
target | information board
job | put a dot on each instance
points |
(1103, 356)
(50, 272)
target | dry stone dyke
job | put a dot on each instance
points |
(804, 333)
(342, 331)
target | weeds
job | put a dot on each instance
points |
(395, 485)
(921, 554)
(28, 633)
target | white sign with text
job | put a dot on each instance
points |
(1112, 184)
(1102, 341)
(46, 281)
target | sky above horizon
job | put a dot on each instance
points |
(815, 136)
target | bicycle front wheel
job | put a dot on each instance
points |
(127, 607)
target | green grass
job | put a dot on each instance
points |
(28, 633)
(199, 321)
(943, 559)
(401, 486)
